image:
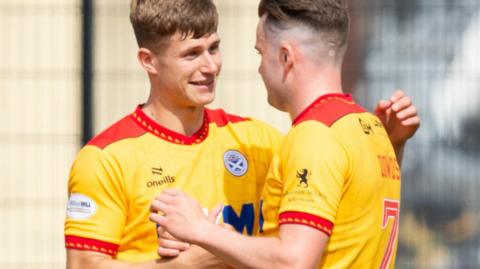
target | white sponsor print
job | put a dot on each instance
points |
(235, 163)
(80, 206)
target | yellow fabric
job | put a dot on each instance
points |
(351, 171)
(123, 178)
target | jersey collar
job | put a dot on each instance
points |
(338, 96)
(166, 134)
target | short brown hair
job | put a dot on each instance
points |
(320, 15)
(155, 21)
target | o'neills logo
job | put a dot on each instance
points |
(158, 178)
(160, 182)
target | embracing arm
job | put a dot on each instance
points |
(185, 220)
(79, 259)
(284, 252)
(195, 257)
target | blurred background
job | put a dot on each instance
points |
(68, 69)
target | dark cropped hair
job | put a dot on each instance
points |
(329, 16)
(155, 21)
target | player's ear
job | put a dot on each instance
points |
(286, 57)
(147, 60)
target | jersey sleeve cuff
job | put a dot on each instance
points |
(81, 243)
(310, 220)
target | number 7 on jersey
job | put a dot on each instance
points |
(391, 210)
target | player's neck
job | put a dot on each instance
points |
(183, 120)
(311, 88)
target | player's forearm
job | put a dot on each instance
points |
(242, 251)
(77, 259)
(116, 264)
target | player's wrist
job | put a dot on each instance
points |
(204, 231)
(396, 141)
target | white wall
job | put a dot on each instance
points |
(39, 111)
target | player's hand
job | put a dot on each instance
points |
(399, 116)
(182, 216)
(169, 246)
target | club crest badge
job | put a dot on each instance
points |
(303, 176)
(235, 163)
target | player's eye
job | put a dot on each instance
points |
(214, 48)
(192, 54)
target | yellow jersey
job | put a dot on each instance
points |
(117, 174)
(337, 172)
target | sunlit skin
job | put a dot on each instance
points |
(269, 70)
(183, 79)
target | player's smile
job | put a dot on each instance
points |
(206, 84)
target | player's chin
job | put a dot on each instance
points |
(203, 95)
(274, 102)
(203, 99)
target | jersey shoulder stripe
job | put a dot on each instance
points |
(221, 118)
(122, 129)
(329, 108)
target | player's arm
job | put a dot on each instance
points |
(184, 219)
(79, 259)
(195, 257)
(286, 251)
(400, 118)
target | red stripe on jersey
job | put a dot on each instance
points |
(122, 129)
(329, 108)
(313, 221)
(164, 133)
(221, 118)
(74, 242)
